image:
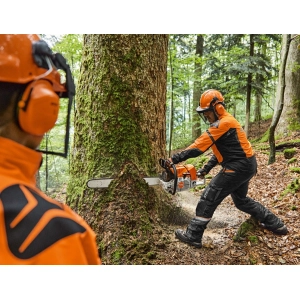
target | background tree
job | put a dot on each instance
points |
(120, 132)
(225, 65)
(196, 127)
(54, 172)
(290, 117)
(286, 40)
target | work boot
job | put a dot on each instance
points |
(193, 234)
(279, 230)
(181, 235)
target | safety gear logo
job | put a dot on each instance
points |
(32, 223)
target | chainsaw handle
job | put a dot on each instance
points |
(175, 178)
(167, 165)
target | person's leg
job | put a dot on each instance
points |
(246, 204)
(218, 188)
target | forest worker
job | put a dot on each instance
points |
(234, 153)
(34, 229)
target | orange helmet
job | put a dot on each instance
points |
(25, 58)
(208, 100)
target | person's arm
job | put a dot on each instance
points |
(207, 167)
(185, 154)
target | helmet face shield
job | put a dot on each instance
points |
(201, 112)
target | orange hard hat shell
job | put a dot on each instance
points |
(17, 64)
(207, 97)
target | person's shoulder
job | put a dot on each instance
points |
(228, 119)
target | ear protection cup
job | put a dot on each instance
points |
(219, 109)
(37, 111)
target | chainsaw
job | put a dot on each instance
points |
(179, 177)
(174, 178)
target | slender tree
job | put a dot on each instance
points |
(286, 40)
(249, 87)
(196, 128)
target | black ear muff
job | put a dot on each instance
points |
(38, 108)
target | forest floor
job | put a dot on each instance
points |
(223, 241)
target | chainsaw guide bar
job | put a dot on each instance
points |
(104, 182)
(173, 179)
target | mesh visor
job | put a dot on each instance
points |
(201, 112)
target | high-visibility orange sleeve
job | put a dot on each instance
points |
(225, 137)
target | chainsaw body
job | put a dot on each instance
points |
(178, 178)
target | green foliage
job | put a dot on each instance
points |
(70, 45)
(292, 188)
(225, 66)
(289, 153)
(292, 161)
(198, 162)
(295, 170)
(245, 230)
(57, 175)
(253, 239)
(252, 261)
(289, 142)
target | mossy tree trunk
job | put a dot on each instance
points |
(290, 117)
(120, 133)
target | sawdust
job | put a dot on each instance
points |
(226, 216)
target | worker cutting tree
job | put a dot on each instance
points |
(232, 150)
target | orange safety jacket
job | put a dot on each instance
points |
(35, 229)
(225, 137)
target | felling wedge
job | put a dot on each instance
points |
(174, 178)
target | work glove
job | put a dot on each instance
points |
(201, 173)
(165, 163)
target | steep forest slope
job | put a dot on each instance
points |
(232, 238)
(235, 239)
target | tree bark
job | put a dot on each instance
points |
(280, 96)
(290, 116)
(249, 87)
(196, 128)
(120, 133)
(171, 108)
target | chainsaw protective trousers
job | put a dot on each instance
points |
(233, 180)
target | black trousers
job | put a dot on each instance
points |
(233, 180)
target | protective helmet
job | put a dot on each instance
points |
(26, 59)
(208, 100)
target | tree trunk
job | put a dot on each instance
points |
(290, 116)
(171, 113)
(249, 86)
(259, 82)
(279, 96)
(120, 133)
(196, 128)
